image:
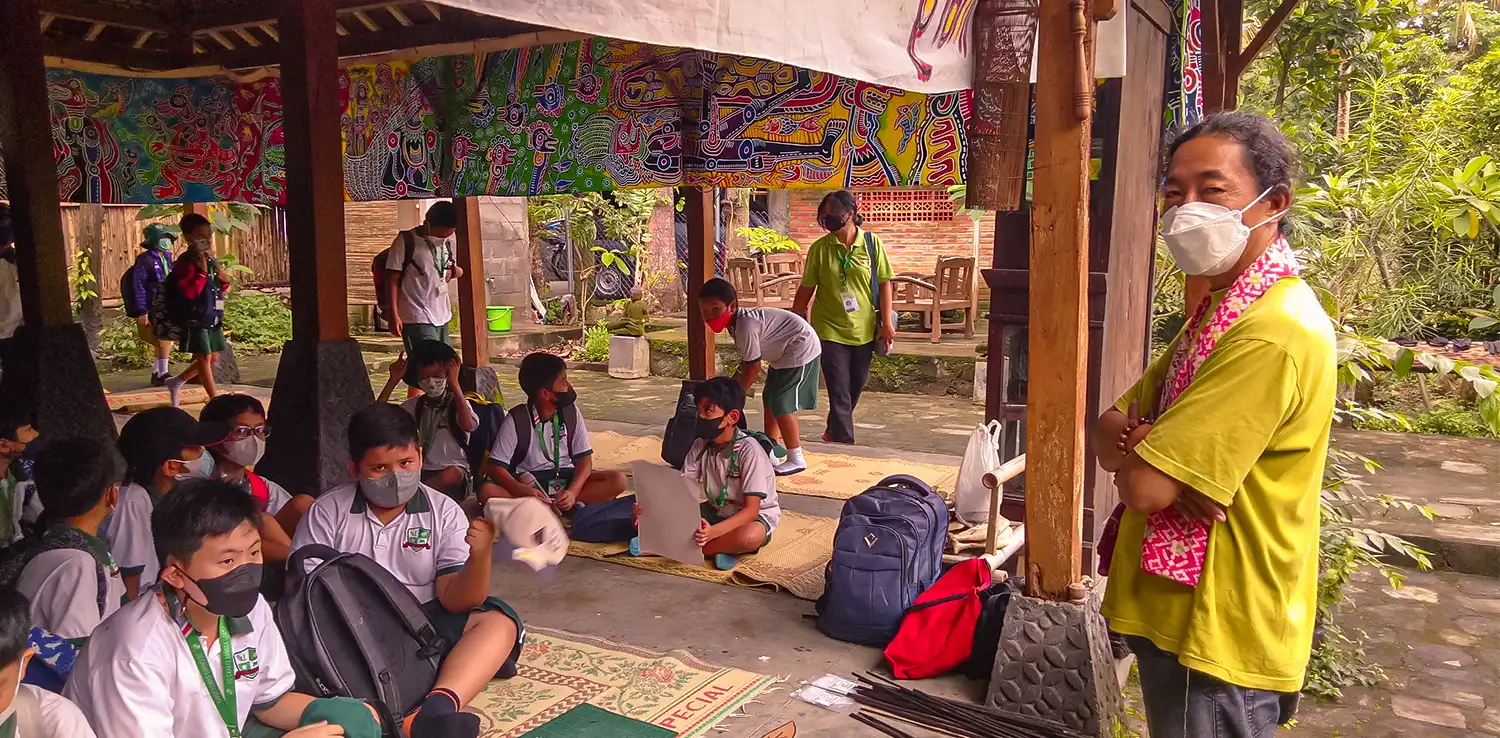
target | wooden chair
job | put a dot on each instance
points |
(949, 288)
(783, 264)
(756, 289)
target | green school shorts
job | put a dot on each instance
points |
(711, 514)
(450, 627)
(202, 341)
(793, 389)
(411, 335)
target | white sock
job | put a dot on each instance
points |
(794, 455)
(162, 366)
(174, 386)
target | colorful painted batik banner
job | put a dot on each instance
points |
(583, 116)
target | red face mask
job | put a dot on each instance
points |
(719, 324)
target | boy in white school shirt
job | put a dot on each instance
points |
(161, 446)
(28, 711)
(199, 654)
(17, 498)
(444, 416)
(65, 569)
(425, 540)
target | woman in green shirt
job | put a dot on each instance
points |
(838, 285)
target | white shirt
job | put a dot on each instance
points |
(778, 337)
(708, 471)
(128, 531)
(136, 677)
(63, 586)
(424, 542)
(10, 299)
(25, 506)
(445, 450)
(424, 290)
(544, 443)
(43, 714)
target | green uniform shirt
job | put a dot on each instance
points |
(1251, 433)
(825, 270)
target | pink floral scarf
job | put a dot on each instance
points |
(1175, 546)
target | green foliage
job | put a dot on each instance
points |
(120, 346)
(762, 240)
(81, 274)
(554, 308)
(1484, 320)
(595, 346)
(622, 215)
(257, 320)
(225, 217)
(1447, 418)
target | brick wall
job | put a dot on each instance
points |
(913, 246)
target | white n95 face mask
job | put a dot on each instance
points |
(1205, 239)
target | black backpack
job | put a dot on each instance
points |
(354, 630)
(681, 428)
(381, 275)
(520, 415)
(127, 291)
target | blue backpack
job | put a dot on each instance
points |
(888, 549)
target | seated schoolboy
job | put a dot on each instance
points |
(734, 470)
(781, 340)
(26, 710)
(444, 416)
(18, 501)
(550, 455)
(241, 449)
(199, 654)
(65, 569)
(161, 446)
(425, 540)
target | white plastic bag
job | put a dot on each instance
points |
(971, 500)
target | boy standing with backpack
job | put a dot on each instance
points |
(425, 540)
(418, 266)
(199, 654)
(781, 340)
(196, 291)
(444, 416)
(141, 286)
(66, 570)
(543, 449)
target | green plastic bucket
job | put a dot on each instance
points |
(499, 318)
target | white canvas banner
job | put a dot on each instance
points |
(917, 45)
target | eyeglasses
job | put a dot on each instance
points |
(241, 432)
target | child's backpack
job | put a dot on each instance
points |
(128, 295)
(482, 438)
(382, 276)
(681, 428)
(358, 631)
(521, 416)
(939, 632)
(605, 522)
(888, 549)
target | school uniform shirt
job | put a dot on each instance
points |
(136, 677)
(837, 271)
(22, 505)
(444, 450)
(424, 542)
(42, 714)
(545, 445)
(725, 485)
(423, 294)
(128, 532)
(780, 338)
(63, 587)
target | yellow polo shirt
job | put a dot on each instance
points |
(1250, 432)
(834, 270)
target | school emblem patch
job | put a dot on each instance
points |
(246, 664)
(419, 539)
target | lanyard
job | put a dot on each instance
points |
(729, 474)
(223, 700)
(439, 257)
(846, 259)
(556, 456)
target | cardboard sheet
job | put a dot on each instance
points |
(669, 513)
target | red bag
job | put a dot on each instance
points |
(937, 631)
(259, 490)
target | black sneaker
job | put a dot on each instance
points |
(158, 380)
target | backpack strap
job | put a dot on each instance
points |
(259, 490)
(520, 417)
(571, 418)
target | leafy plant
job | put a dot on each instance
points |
(120, 346)
(762, 240)
(1485, 319)
(257, 320)
(1469, 196)
(595, 346)
(85, 285)
(225, 217)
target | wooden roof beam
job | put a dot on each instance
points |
(248, 37)
(369, 23)
(94, 31)
(399, 14)
(367, 44)
(270, 30)
(222, 40)
(110, 14)
(99, 52)
(437, 12)
(264, 12)
(1263, 36)
(141, 39)
(47, 19)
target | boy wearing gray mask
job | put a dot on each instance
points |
(425, 540)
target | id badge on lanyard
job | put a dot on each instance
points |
(851, 302)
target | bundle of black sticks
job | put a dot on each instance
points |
(890, 704)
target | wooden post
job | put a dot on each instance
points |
(312, 109)
(473, 290)
(1231, 17)
(31, 172)
(700, 222)
(1058, 313)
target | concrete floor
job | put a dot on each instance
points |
(726, 626)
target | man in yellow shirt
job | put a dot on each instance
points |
(1214, 573)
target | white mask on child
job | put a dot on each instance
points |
(433, 387)
(199, 468)
(245, 452)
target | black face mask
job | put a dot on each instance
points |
(832, 222)
(234, 593)
(709, 428)
(565, 399)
